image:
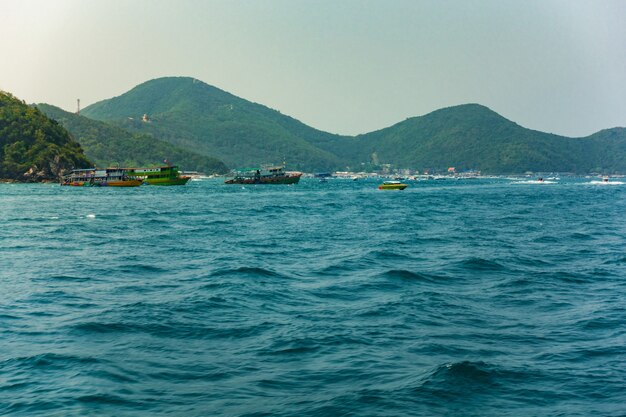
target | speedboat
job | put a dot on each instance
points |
(392, 185)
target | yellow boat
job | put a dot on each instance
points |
(392, 185)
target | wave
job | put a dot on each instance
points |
(140, 268)
(108, 399)
(602, 323)
(535, 182)
(49, 361)
(581, 236)
(546, 239)
(217, 222)
(52, 297)
(294, 347)
(466, 373)
(248, 271)
(103, 327)
(458, 381)
(459, 388)
(536, 280)
(480, 264)
(387, 255)
(309, 345)
(411, 276)
(177, 330)
(344, 267)
(568, 277)
(62, 277)
(616, 260)
(527, 261)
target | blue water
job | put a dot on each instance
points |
(488, 297)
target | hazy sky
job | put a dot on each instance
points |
(342, 66)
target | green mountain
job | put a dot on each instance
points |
(472, 136)
(106, 145)
(193, 115)
(605, 151)
(32, 146)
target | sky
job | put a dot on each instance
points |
(342, 66)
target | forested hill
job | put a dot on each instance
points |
(471, 137)
(34, 147)
(198, 117)
(191, 114)
(106, 145)
(474, 137)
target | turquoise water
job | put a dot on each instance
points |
(489, 297)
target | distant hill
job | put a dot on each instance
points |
(195, 116)
(474, 137)
(33, 147)
(106, 145)
(466, 137)
(605, 151)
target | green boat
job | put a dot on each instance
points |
(163, 175)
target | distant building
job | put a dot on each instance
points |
(145, 118)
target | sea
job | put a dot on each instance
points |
(471, 297)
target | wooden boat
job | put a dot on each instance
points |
(109, 177)
(392, 185)
(264, 175)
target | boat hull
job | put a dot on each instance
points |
(125, 183)
(109, 177)
(287, 179)
(392, 186)
(167, 181)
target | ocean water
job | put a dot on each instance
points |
(490, 297)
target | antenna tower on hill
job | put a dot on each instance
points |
(78, 107)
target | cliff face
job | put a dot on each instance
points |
(50, 170)
(34, 148)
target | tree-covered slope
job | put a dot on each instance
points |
(605, 151)
(474, 137)
(33, 147)
(191, 114)
(195, 116)
(106, 145)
